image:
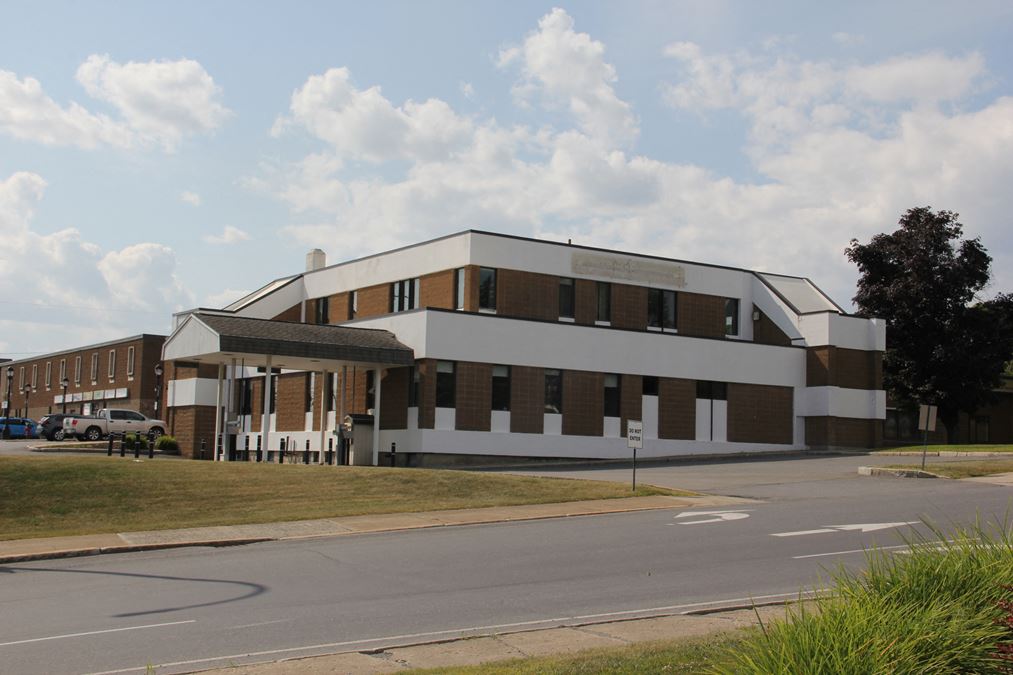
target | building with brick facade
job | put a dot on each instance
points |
(527, 348)
(116, 374)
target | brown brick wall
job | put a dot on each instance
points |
(290, 407)
(471, 288)
(585, 309)
(700, 315)
(760, 413)
(527, 295)
(527, 400)
(766, 332)
(438, 290)
(374, 301)
(583, 403)
(629, 306)
(394, 399)
(194, 423)
(630, 399)
(473, 396)
(676, 408)
(843, 432)
(427, 393)
(293, 313)
(850, 368)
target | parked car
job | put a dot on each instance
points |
(51, 427)
(111, 420)
(17, 427)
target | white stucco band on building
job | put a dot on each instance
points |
(509, 346)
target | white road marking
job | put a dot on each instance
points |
(860, 527)
(94, 632)
(854, 550)
(728, 514)
(439, 633)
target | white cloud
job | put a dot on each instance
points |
(928, 77)
(158, 102)
(223, 298)
(191, 198)
(77, 292)
(229, 235)
(569, 69)
(467, 90)
(834, 163)
(848, 39)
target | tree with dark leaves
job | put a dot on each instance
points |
(945, 345)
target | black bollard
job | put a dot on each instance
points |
(137, 446)
(123, 445)
(203, 448)
(393, 454)
(330, 450)
(246, 449)
(109, 450)
(260, 452)
(281, 451)
(151, 449)
(306, 453)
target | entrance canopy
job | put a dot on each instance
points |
(206, 337)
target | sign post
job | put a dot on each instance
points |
(634, 440)
(926, 423)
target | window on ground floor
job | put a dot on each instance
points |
(554, 392)
(501, 387)
(446, 384)
(611, 395)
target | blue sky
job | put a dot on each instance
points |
(158, 156)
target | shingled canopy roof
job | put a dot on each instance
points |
(216, 338)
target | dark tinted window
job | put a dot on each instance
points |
(446, 384)
(604, 301)
(661, 308)
(650, 387)
(553, 391)
(716, 391)
(487, 288)
(566, 298)
(323, 310)
(611, 395)
(501, 387)
(731, 316)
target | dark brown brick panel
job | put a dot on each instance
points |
(766, 332)
(437, 290)
(527, 400)
(843, 432)
(471, 277)
(583, 403)
(676, 408)
(473, 396)
(700, 315)
(290, 406)
(629, 306)
(586, 302)
(293, 313)
(631, 399)
(394, 399)
(527, 295)
(760, 413)
(838, 367)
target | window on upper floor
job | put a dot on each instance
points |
(371, 390)
(35, 376)
(322, 312)
(487, 289)
(661, 309)
(94, 368)
(604, 291)
(611, 395)
(566, 299)
(49, 374)
(404, 295)
(446, 384)
(459, 288)
(501, 387)
(112, 364)
(77, 370)
(650, 385)
(731, 316)
(21, 379)
(353, 305)
(63, 371)
(554, 392)
(130, 362)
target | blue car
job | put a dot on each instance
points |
(17, 427)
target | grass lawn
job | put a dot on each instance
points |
(49, 496)
(948, 448)
(676, 656)
(968, 469)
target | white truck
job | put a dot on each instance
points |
(111, 421)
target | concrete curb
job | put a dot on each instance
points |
(88, 545)
(941, 453)
(895, 473)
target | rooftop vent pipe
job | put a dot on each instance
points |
(315, 260)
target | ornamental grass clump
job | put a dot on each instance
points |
(941, 606)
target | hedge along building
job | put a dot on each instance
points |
(521, 347)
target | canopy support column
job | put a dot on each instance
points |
(265, 424)
(218, 414)
(377, 380)
(326, 387)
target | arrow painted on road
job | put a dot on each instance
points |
(859, 527)
(719, 516)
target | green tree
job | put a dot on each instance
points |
(945, 345)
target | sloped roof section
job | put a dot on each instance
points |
(284, 338)
(800, 293)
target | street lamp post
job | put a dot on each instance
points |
(7, 411)
(64, 383)
(28, 390)
(158, 386)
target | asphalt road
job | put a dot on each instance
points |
(197, 608)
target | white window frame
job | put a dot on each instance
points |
(112, 365)
(94, 368)
(77, 370)
(35, 376)
(49, 374)
(130, 363)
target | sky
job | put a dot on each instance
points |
(160, 156)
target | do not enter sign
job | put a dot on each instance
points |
(634, 434)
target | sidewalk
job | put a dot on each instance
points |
(21, 550)
(561, 641)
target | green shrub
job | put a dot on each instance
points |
(937, 608)
(134, 440)
(167, 444)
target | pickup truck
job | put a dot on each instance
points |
(111, 420)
